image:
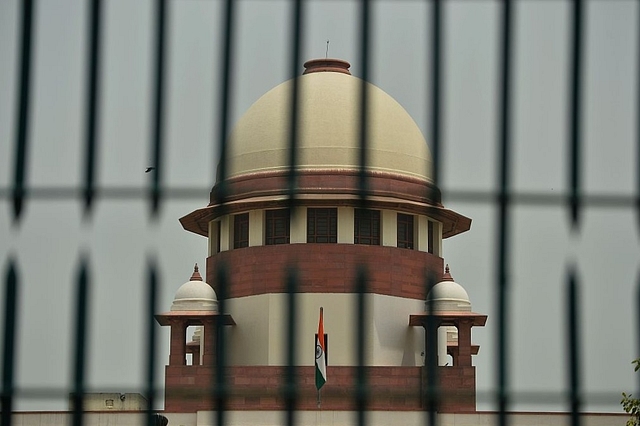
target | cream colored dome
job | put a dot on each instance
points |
(329, 129)
(195, 295)
(448, 295)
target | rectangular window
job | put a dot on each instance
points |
(322, 225)
(366, 227)
(405, 231)
(241, 230)
(276, 227)
(430, 237)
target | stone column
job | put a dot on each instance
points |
(464, 342)
(210, 338)
(177, 355)
(435, 326)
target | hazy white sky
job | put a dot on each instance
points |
(119, 238)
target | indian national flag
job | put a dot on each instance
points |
(321, 360)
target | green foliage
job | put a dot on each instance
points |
(632, 405)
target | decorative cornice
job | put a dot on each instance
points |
(326, 187)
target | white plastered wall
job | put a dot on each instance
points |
(423, 234)
(389, 225)
(256, 228)
(259, 336)
(226, 232)
(437, 239)
(345, 225)
(298, 226)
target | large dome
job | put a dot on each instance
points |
(329, 128)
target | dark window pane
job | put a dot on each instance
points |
(241, 230)
(277, 227)
(322, 225)
(366, 227)
(405, 231)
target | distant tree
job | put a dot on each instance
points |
(632, 405)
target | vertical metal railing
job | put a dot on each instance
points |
(157, 141)
(80, 353)
(19, 192)
(22, 135)
(574, 157)
(151, 341)
(503, 214)
(93, 86)
(9, 342)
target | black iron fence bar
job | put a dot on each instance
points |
(432, 392)
(22, 135)
(93, 75)
(361, 397)
(522, 198)
(151, 341)
(81, 309)
(542, 397)
(220, 391)
(362, 392)
(431, 356)
(575, 110)
(504, 163)
(637, 306)
(436, 81)
(9, 344)
(290, 383)
(224, 106)
(290, 390)
(638, 137)
(573, 331)
(158, 109)
(365, 58)
(294, 66)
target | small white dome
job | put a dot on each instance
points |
(195, 295)
(448, 295)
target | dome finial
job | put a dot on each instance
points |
(447, 276)
(196, 275)
(326, 65)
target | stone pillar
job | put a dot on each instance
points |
(464, 342)
(178, 352)
(428, 353)
(209, 339)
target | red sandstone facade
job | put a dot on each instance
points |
(190, 388)
(326, 268)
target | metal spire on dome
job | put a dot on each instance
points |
(196, 275)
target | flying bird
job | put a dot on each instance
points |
(149, 169)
